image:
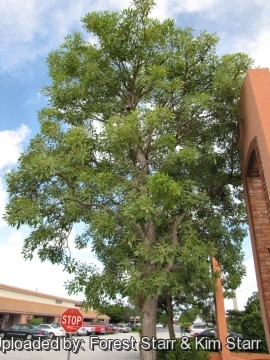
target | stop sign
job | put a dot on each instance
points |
(71, 320)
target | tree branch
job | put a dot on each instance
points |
(174, 227)
(101, 206)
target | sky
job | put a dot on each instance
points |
(29, 31)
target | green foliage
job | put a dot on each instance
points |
(162, 319)
(189, 316)
(128, 312)
(35, 321)
(115, 312)
(136, 329)
(139, 143)
(179, 353)
(234, 318)
(253, 304)
(252, 325)
(252, 329)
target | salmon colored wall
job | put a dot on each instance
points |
(255, 135)
(237, 356)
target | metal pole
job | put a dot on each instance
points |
(68, 355)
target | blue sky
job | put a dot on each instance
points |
(29, 31)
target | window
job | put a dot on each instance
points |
(24, 327)
(44, 326)
(58, 301)
(199, 327)
(15, 327)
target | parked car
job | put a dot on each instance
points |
(82, 331)
(99, 327)
(159, 325)
(53, 330)
(114, 328)
(212, 333)
(197, 328)
(205, 335)
(24, 331)
(90, 329)
(56, 324)
(209, 333)
(133, 325)
(123, 328)
(234, 335)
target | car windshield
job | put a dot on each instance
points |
(55, 325)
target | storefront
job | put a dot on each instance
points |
(20, 305)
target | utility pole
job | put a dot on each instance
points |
(235, 306)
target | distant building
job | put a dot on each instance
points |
(19, 305)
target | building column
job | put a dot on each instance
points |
(4, 317)
(24, 318)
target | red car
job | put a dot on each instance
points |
(114, 328)
(100, 327)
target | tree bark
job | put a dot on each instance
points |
(170, 316)
(148, 326)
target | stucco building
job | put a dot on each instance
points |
(19, 305)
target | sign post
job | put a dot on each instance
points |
(71, 321)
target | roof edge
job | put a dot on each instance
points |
(36, 293)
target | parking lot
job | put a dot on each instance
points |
(126, 343)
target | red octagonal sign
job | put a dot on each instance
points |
(71, 320)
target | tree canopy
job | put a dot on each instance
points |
(139, 143)
(252, 324)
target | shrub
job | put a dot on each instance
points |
(136, 329)
(252, 329)
(35, 321)
(182, 354)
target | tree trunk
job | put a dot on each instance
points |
(148, 327)
(170, 316)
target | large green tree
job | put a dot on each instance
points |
(139, 143)
(234, 318)
(115, 312)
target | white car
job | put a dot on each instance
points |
(197, 328)
(52, 330)
(82, 331)
(123, 328)
(90, 330)
(159, 325)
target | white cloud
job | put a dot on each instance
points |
(32, 29)
(248, 286)
(15, 238)
(33, 99)
(259, 49)
(169, 8)
(189, 6)
(74, 251)
(11, 142)
(3, 197)
(32, 275)
(11, 146)
(43, 276)
(99, 126)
